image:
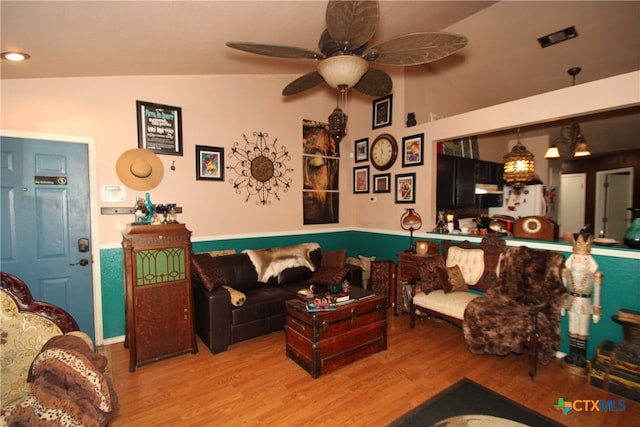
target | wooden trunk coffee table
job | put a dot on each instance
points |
(324, 341)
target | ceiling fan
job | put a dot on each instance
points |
(344, 56)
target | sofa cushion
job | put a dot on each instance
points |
(206, 271)
(334, 259)
(294, 274)
(261, 303)
(451, 279)
(328, 275)
(452, 304)
(429, 278)
(470, 261)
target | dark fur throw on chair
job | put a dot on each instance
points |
(522, 310)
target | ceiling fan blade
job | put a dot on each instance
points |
(352, 23)
(277, 51)
(414, 49)
(303, 83)
(375, 83)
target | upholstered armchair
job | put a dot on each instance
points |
(522, 310)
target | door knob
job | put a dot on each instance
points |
(82, 262)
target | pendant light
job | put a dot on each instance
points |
(571, 135)
(519, 166)
(338, 119)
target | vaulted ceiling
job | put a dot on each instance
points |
(502, 62)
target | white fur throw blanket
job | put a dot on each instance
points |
(270, 262)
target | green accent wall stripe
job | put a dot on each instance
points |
(620, 289)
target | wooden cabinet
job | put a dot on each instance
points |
(408, 270)
(159, 314)
(456, 182)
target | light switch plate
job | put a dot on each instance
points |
(113, 193)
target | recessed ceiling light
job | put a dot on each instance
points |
(15, 56)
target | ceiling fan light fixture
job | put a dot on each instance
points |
(342, 70)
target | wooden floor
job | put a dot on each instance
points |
(254, 384)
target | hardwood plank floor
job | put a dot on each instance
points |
(255, 384)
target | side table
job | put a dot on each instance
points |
(408, 270)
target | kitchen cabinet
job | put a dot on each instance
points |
(457, 179)
(489, 172)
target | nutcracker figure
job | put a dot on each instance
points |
(583, 282)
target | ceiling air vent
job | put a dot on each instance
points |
(558, 36)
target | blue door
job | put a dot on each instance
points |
(46, 222)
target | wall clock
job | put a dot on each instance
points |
(384, 152)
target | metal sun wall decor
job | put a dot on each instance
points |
(260, 168)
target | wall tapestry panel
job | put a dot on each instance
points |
(320, 163)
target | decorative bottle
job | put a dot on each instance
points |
(632, 235)
(150, 208)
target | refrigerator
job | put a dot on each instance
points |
(529, 201)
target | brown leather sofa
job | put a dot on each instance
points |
(219, 323)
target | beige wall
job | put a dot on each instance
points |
(216, 111)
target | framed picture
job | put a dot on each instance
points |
(382, 111)
(362, 150)
(361, 179)
(159, 128)
(412, 150)
(382, 183)
(406, 188)
(209, 163)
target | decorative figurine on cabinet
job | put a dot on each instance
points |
(583, 282)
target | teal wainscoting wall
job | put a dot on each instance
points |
(357, 243)
(621, 283)
(112, 281)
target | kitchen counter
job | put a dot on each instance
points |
(618, 251)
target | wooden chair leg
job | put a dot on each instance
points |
(412, 315)
(533, 354)
(533, 341)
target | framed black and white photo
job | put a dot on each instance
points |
(159, 128)
(382, 111)
(382, 183)
(406, 188)
(362, 150)
(412, 150)
(209, 163)
(361, 179)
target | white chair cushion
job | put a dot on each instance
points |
(470, 261)
(452, 304)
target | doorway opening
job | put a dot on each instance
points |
(614, 195)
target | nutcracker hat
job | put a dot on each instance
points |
(140, 169)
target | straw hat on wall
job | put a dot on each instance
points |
(140, 169)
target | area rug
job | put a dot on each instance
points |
(467, 397)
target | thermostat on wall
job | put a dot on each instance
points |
(113, 193)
